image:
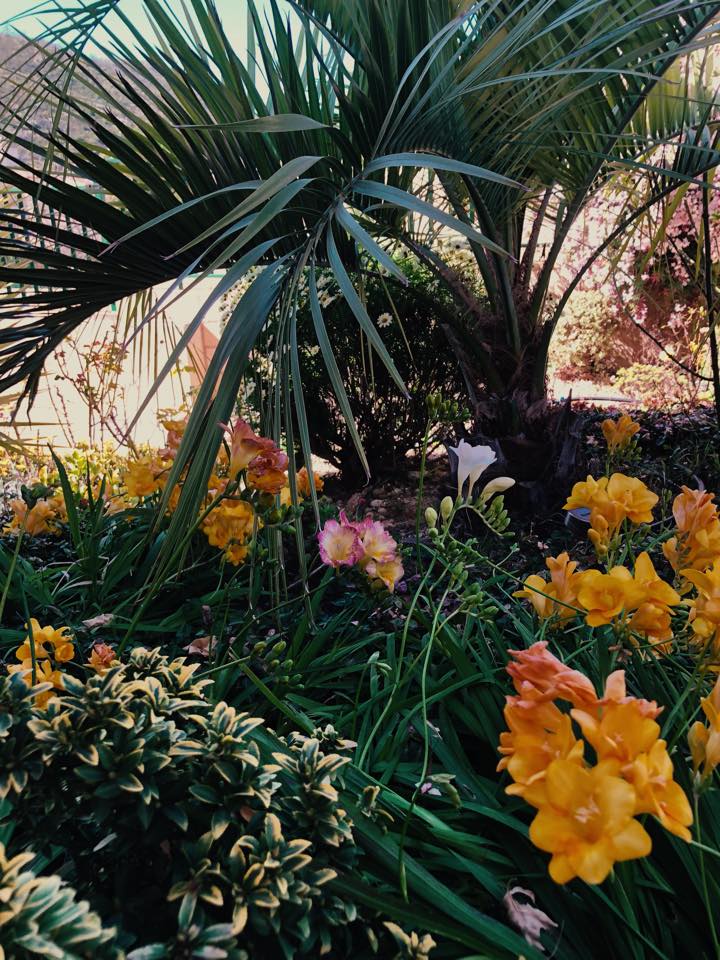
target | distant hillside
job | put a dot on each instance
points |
(20, 65)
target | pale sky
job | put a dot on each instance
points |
(233, 13)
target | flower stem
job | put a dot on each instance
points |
(703, 878)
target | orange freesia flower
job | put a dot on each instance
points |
(304, 484)
(236, 553)
(268, 470)
(611, 501)
(615, 692)
(618, 731)
(60, 644)
(42, 518)
(624, 730)
(696, 543)
(587, 824)
(557, 597)
(144, 476)
(652, 617)
(229, 526)
(588, 493)
(102, 658)
(618, 433)
(538, 675)
(44, 673)
(609, 596)
(651, 774)
(634, 497)
(704, 738)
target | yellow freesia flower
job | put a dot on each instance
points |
(558, 596)
(58, 640)
(587, 824)
(619, 433)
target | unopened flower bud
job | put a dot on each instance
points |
(431, 517)
(446, 507)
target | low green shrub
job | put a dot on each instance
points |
(167, 815)
(40, 916)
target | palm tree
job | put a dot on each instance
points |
(363, 122)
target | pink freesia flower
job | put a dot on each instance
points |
(339, 544)
(377, 543)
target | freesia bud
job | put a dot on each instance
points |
(498, 485)
(446, 507)
(431, 517)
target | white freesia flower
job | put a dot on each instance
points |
(472, 461)
(498, 485)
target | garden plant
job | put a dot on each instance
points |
(248, 708)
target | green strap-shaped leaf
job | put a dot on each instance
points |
(436, 162)
(399, 198)
(275, 123)
(358, 308)
(287, 173)
(359, 233)
(236, 272)
(333, 371)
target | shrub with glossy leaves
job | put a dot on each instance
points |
(164, 805)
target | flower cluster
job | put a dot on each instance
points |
(704, 738)
(619, 433)
(44, 516)
(640, 600)
(637, 601)
(586, 813)
(612, 501)
(256, 461)
(230, 527)
(303, 485)
(704, 617)
(146, 475)
(265, 463)
(102, 658)
(41, 654)
(557, 598)
(696, 543)
(365, 543)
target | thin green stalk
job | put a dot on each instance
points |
(703, 878)
(421, 486)
(11, 569)
(426, 740)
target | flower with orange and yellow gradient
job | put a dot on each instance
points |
(696, 544)
(555, 598)
(619, 433)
